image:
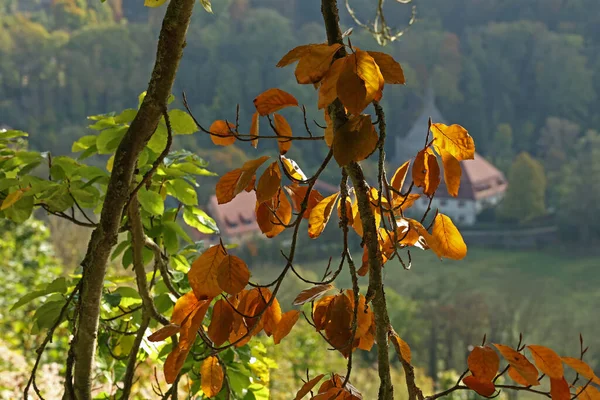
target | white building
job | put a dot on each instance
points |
(481, 186)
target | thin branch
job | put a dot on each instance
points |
(132, 361)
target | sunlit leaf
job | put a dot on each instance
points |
(397, 181)
(283, 130)
(154, 3)
(212, 376)
(515, 376)
(222, 133)
(452, 172)
(320, 214)
(232, 183)
(547, 361)
(314, 61)
(293, 169)
(483, 362)
(203, 274)
(582, 368)
(402, 348)
(588, 393)
(254, 129)
(426, 171)
(269, 183)
(390, 68)
(520, 363)
(355, 140)
(455, 140)
(164, 332)
(328, 89)
(288, 320)
(273, 100)
(272, 225)
(298, 193)
(233, 274)
(311, 294)
(448, 241)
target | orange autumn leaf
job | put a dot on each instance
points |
(320, 311)
(455, 140)
(483, 362)
(355, 140)
(233, 182)
(320, 214)
(203, 274)
(233, 274)
(426, 171)
(184, 306)
(298, 193)
(311, 294)
(328, 129)
(254, 129)
(588, 393)
(402, 348)
(293, 169)
(272, 317)
(452, 172)
(448, 241)
(390, 68)
(250, 186)
(520, 363)
(164, 332)
(268, 223)
(582, 368)
(482, 387)
(314, 61)
(221, 322)
(399, 176)
(559, 389)
(174, 363)
(222, 134)
(269, 182)
(515, 376)
(338, 324)
(308, 386)
(212, 376)
(328, 89)
(547, 361)
(283, 130)
(273, 100)
(287, 322)
(360, 82)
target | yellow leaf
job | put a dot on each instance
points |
(154, 3)
(368, 70)
(328, 89)
(293, 169)
(314, 61)
(283, 130)
(272, 317)
(359, 83)
(355, 140)
(426, 171)
(110, 163)
(203, 274)
(455, 140)
(588, 393)
(452, 172)
(287, 322)
(520, 363)
(448, 241)
(298, 193)
(399, 176)
(222, 133)
(273, 100)
(12, 198)
(254, 129)
(232, 274)
(269, 182)
(390, 69)
(402, 348)
(320, 214)
(212, 376)
(547, 361)
(184, 307)
(582, 368)
(232, 183)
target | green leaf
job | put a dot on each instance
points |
(127, 292)
(59, 285)
(193, 169)
(119, 249)
(109, 139)
(103, 123)
(21, 210)
(126, 116)
(11, 134)
(206, 5)
(113, 299)
(64, 167)
(158, 141)
(151, 202)
(84, 143)
(28, 298)
(154, 3)
(182, 191)
(182, 123)
(48, 313)
(198, 219)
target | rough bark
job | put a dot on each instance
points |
(169, 52)
(386, 391)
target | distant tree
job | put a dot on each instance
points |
(525, 198)
(502, 151)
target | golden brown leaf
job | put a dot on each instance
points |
(184, 306)
(482, 387)
(390, 69)
(520, 363)
(426, 171)
(308, 386)
(368, 70)
(222, 134)
(547, 361)
(273, 100)
(328, 89)
(232, 183)
(399, 176)
(448, 241)
(293, 169)
(283, 130)
(354, 93)
(233, 274)
(588, 393)
(287, 322)
(338, 326)
(221, 322)
(452, 172)
(320, 311)
(328, 129)
(402, 348)
(311, 294)
(173, 364)
(355, 140)
(269, 183)
(455, 140)
(164, 332)
(272, 225)
(254, 129)
(272, 317)
(314, 61)
(212, 376)
(515, 376)
(251, 184)
(582, 368)
(405, 202)
(320, 214)
(559, 389)
(298, 193)
(203, 274)
(483, 363)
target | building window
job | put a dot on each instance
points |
(461, 204)
(246, 221)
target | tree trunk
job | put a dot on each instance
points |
(169, 52)
(338, 116)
